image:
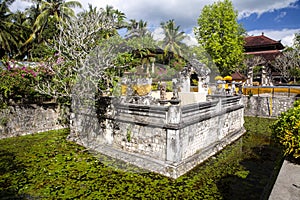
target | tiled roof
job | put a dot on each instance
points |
(268, 55)
(238, 76)
(261, 40)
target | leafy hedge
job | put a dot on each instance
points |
(286, 130)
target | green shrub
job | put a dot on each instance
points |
(286, 130)
(169, 86)
(18, 82)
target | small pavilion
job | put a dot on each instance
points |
(268, 49)
(238, 77)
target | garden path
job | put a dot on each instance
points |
(287, 185)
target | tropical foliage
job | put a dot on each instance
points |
(286, 130)
(18, 82)
(53, 11)
(173, 39)
(8, 37)
(56, 38)
(137, 29)
(221, 36)
(297, 41)
(49, 31)
(288, 65)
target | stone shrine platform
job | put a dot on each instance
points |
(170, 140)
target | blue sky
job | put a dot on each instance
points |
(287, 18)
(279, 24)
(278, 19)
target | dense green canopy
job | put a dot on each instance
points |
(221, 36)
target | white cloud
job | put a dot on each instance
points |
(185, 13)
(19, 5)
(285, 35)
(158, 34)
(280, 16)
(246, 8)
(190, 40)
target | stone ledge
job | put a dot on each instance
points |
(166, 168)
(287, 185)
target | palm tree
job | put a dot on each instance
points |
(8, 38)
(119, 18)
(51, 10)
(115, 17)
(22, 27)
(172, 42)
(137, 29)
(32, 13)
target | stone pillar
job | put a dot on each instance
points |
(249, 81)
(220, 120)
(200, 85)
(219, 106)
(264, 80)
(175, 89)
(174, 115)
(108, 134)
(186, 85)
(152, 66)
(233, 88)
(152, 61)
(173, 134)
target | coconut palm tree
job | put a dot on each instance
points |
(8, 38)
(22, 27)
(32, 13)
(51, 10)
(116, 17)
(137, 29)
(172, 42)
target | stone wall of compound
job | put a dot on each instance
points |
(267, 106)
(169, 140)
(27, 119)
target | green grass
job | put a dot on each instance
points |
(47, 166)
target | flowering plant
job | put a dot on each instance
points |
(18, 80)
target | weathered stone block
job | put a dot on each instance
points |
(27, 119)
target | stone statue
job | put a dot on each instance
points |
(163, 91)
